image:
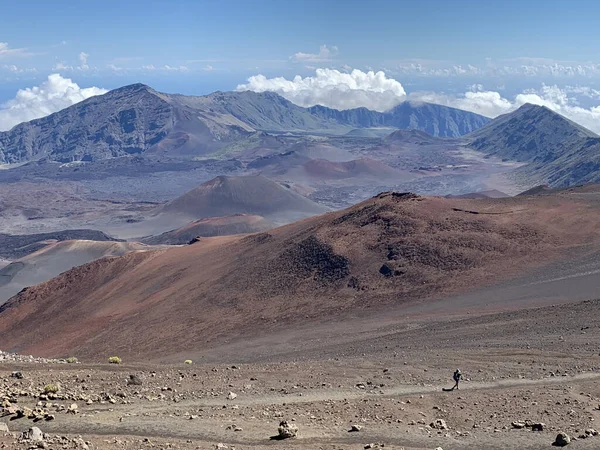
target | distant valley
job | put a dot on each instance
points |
(163, 169)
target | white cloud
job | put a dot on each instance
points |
(83, 64)
(584, 91)
(115, 68)
(208, 68)
(60, 66)
(15, 69)
(175, 69)
(325, 54)
(52, 95)
(330, 87)
(519, 67)
(149, 67)
(6, 51)
(83, 59)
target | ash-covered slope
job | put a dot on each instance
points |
(382, 252)
(256, 195)
(55, 258)
(14, 246)
(214, 226)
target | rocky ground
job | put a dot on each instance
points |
(392, 391)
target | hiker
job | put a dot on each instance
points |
(457, 377)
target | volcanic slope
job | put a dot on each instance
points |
(214, 226)
(56, 258)
(255, 195)
(14, 246)
(379, 254)
(530, 133)
(558, 151)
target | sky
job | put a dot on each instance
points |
(487, 57)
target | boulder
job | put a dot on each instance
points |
(34, 434)
(562, 439)
(287, 430)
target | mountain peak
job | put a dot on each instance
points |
(532, 132)
(532, 108)
(133, 87)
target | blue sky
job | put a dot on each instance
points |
(196, 47)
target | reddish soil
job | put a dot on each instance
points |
(382, 253)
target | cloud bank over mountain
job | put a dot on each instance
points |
(493, 104)
(377, 91)
(335, 89)
(52, 95)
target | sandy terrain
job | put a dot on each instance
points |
(390, 383)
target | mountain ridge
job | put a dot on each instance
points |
(136, 119)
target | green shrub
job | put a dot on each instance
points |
(114, 360)
(51, 388)
(72, 360)
(188, 361)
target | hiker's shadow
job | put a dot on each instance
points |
(447, 389)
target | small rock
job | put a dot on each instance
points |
(518, 425)
(231, 396)
(591, 432)
(3, 428)
(17, 375)
(538, 426)
(562, 439)
(134, 380)
(287, 430)
(439, 424)
(354, 428)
